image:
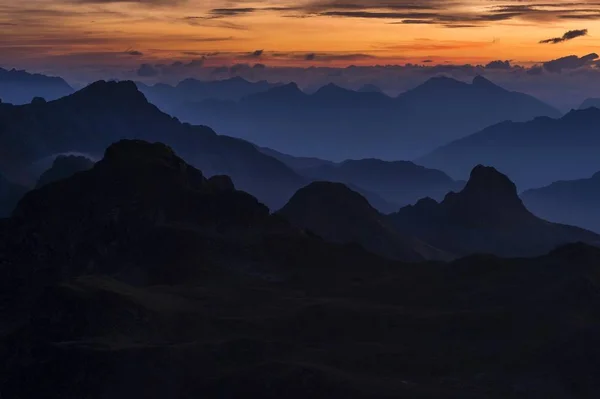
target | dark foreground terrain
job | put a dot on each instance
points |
(141, 278)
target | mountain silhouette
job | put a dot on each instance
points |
(487, 216)
(297, 163)
(168, 97)
(104, 112)
(400, 182)
(534, 153)
(125, 280)
(64, 166)
(590, 102)
(21, 87)
(369, 124)
(370, 88)
(387, 185)
(339, 214)
(572, 202)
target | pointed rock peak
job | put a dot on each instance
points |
(140, 153)
(287, 89)
(426, 202)
(442, 83)
(488, 179)
(111, 92)
(480, 81)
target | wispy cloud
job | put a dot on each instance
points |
(570, 35)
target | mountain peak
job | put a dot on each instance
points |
(489, 197)
(289, 91)
(480, 81)
(139, 153)
(63, 167)
(120, 92)
(488, 178)
(331, 88)
(337, 213)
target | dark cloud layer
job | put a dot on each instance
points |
(447, 13)
(570, 35)
(569, 62)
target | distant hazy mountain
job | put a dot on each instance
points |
(573, 202)
(336, 123)
(169, 97)
(20, 87)
(590, 102)
(64, 166)
(370, 88)
(487, 216)
(297, 163)
(336, 213)
(10, 194)
(400, 182)
(105, 112)
(534, 154)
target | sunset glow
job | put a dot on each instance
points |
(323, 32)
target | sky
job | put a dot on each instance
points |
(147, 39)
(295, 32)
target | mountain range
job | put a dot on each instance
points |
(21, 87)
(92, 118)
(64, 166)
(141, 277)
(572, 202)
(487, 216)
(590, 102)
(169, 98)
(335, 123)
(338, 214)
(534, 153)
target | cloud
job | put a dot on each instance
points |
(147, 71)
(499, 65)
(570, 35)
(455, 14)
(134, 53)
(255, 54)
(569, 62)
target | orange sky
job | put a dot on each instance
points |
(332, 32)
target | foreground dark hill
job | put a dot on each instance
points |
(20, 87)
(10, 194)
(369, 124)
(64, 166)
(573, 202)
(338, 214)
(487, 216)
(169, 98)
(534, 153)
(142, 278)
(104, 112)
